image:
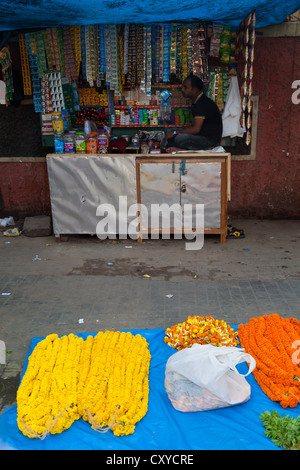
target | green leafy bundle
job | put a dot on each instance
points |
(282, 430)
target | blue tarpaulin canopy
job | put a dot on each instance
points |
(21, 14)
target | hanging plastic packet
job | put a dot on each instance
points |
(165, 95)
(215, 41)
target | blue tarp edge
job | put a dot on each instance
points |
(21, 14)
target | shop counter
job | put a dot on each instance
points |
(87, 189)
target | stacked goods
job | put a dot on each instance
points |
(142, 116)
(46, 95)
(199, 59)
(56, 91)
(70, 65)
(218, 88)
(102, 379)
(98, 115)
(6, 72)
(272, 341)
(225, 44)
(76, 46)
(136, 55)
(201, 330)
(133, 55)
(34, 72)
(92, 97)
(246, 43)
(167, 32)
(41, 54)
(127, 61)
(25, 65)
(54, 46)
(111, 55)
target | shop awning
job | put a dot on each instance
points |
(21, 14)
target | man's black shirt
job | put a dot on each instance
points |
(212, 126)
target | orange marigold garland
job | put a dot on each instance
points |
(269, 339)
(201, 330)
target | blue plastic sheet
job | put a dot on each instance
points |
(21, 14)
(163, 428)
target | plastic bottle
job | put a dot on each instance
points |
(135, 141)
(91, 143)
(59, 144)
(80, 142)
(69, 144)
(66, 119)
(87, 127)
(102, 141)
(57, 123)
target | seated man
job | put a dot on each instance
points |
(206, 129)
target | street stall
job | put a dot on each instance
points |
(112, 87)
(106, 93)
(79, 184)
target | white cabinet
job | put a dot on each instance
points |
(182, 184)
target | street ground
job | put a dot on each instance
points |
(83, 284)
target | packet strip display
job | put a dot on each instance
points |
(115, 57)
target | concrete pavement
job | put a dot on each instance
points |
(69, 287)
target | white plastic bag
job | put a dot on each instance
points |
(204, 377)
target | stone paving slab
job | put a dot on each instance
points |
(39, 305)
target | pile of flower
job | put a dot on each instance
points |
(104, 379)
(201, 330)
(114, 391)
(47, 396)
(272, 341)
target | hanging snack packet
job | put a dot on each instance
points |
(217, 31)
(225, 47)
(215, 40)
(225, 54)
(214, 47)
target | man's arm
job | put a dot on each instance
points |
(193, 129)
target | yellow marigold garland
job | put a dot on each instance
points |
(115, 394)
(269, 339)
(47, 395)
(201, 330)
(104, 379)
